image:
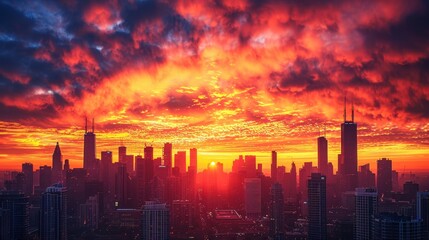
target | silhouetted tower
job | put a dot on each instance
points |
(54, 213)
(168, 157)
(57, 164)
(274, 166)
(27, 169)
(277, 213)
(193, 159)
(384, 176)
(322, 154)
(317, 207)
(366, 209)
(347, 165)
(89, 160)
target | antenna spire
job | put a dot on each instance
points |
(86, 124)
(345, 108)
(92, 125)
(353, 112)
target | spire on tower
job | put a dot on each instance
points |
(86, 124)
(345, 108)
(92, 125)
(353, 112)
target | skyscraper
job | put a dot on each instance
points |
(277, 213)
(322, 154)
(366, 209)
(122, 151)
(180, 161)
(392, 226)
(193, 159)
(148, 153)
(15, 204)
(384, 176)
(57, 164)
(27, 169)
(250, 164)
(54, 213)
(274, 166)
(155, 222)
(45, 177)
(423, 211)
(89, 159)
(252, 197)
(347, 166)
(168, 157)
(317, 207)
(106, 173)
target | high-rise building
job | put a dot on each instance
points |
(54, 213)
(250, 164)
(277, 212)
(148, 153)
(155, 222)
(128, 160)
(393, 226)
(347, 165)
(57, 164)
(384, 176)
(122, 151)
(366, 178)
(410, 190)
(274, 166)
(14, 207)
(180, 161)
(66, 166)
(366, 209)
(193, 159)
(181, 215)
(168, 157)
(252, 197)
(121, 185)
(423, 212)
(322, 155)
(89, 158)
(317, 228)
(106, 170)
(45, 177)
(27, 169)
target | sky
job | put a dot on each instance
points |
(226, 77)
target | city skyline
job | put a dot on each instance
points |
(227, 78)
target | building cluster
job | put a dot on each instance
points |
(148, 197)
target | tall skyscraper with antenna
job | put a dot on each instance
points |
(57, 164)
(347, 165)
(89, 162)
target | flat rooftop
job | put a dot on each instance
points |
(227, 215)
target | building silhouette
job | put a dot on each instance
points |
(14, 215)
(193, 159)
(422, 209)
(180, 161)
(347, 160)
(252, 197)
(155, 222)
(54, 213)
(57, 164)
(384, 176)
(366, 209)
(274, 166)
(89, 159)
(391, 226)
(322, 155)
(277, 212)
(167, 155)
(27, 169)
(317, 228)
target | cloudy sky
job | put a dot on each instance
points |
(226, 77)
